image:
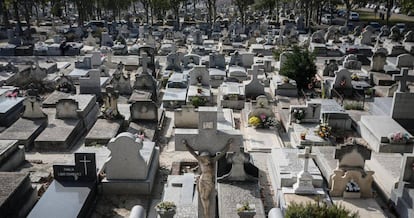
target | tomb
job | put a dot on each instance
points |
(255, 87)
(199, 90)
(10, 109)
(110, 122)
(303, 190)
(175, 93)
(284, 167)
(92, 83)
(132, 165)
(349, 179)
(231, 95)
(12, 155)
(236, 173)
(30, 125)
(74, 185)
(403, 193)
(17, 194)
(215, 126)
(283, 86)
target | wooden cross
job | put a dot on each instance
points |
(403, 78)
(306, 156)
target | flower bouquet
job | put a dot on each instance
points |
(324, 130)
(398, 138)
(263, 121)
(298, 114)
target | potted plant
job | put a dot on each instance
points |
(246, 210)
(166, 209)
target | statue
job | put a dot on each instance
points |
(205, 184)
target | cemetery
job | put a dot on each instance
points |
(210, 109)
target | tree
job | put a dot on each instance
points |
(299, 66)
(319, 211)
(175, 6)
(242, 6)
(266, 4)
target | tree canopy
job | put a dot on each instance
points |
(299, 66)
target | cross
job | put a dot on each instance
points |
(254, 71)
(84, 161)
(403, 78)
(306, 156)
(144, 62)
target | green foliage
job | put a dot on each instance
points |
(354, 106)
(278, 51)
(299, 66)
(317, 210)
(197, 101)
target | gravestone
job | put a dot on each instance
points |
(237, 166)
(65, 84)
(283, 57)
(403, 194)
(284, 167)
(191, 60)
(308, 113)
(351, 62)
(343, 82)
(330, 67)
(110, 107)
(132, 165)
(405, 60)
(217, 60)
(32, 106)
(173, 62)
(209, 136)
(304, 184)
(74, 185)
(378, 61)
(144, 110)
(365, 38)
(349, 179)
(17, 194)
(146, 82)
(122, 82)
(91, 84)
(255, 87)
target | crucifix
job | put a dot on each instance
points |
(403, 78)
(85, 161)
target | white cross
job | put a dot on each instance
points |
(403, 78)
(84, 161)
(306, 156)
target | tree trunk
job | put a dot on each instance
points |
(5, 14)
(17, 16)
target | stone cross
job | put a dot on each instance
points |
(254, 71)
(85, 161)
(144, 62)
(403, 78)
(306, 156)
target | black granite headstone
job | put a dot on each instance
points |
(84, 169)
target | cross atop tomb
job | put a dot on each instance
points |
(144, 62)
(403, 78)
(254, 71)
(306, 156)
(85, 161)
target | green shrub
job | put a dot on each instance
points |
(354, 106)
(316, 210)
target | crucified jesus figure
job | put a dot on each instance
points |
(205, 185)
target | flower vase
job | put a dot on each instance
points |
(166, 213)
(303, 136)
(246, 213)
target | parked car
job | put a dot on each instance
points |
(327, 19)
(401, 26)
(354, 16)
(341, 12)
(375, 25)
